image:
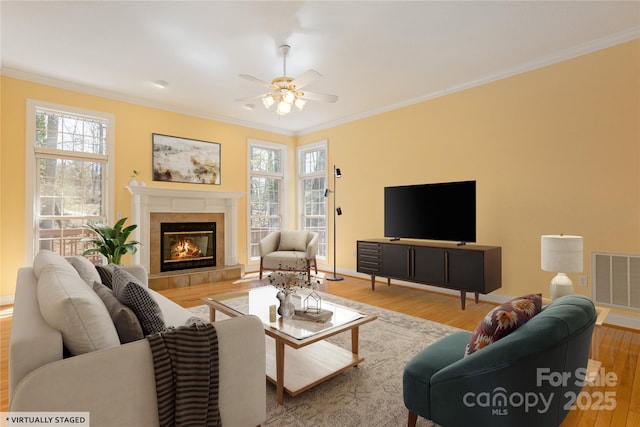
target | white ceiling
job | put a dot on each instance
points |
(375, 55)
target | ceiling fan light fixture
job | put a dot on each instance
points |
(287, 96)
(268, 101)
(283, 108)
(300, 103)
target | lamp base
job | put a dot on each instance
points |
(561, 285)
(334, 278)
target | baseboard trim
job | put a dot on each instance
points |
(613, 319)
(7, 299)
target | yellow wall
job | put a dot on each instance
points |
(134, 126)
(553, 150)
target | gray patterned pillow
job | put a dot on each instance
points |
(133, 294)
(125, 320)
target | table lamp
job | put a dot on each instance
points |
(561, 254)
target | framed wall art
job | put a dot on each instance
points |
(185, 160)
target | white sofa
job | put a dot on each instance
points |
(116, 384)
(291, 250)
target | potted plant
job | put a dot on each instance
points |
(111, 242)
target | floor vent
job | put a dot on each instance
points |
(616, 279)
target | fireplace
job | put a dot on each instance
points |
(185, 245)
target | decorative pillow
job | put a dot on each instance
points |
(133, 294)
(106, 274)
(126, 323)
(70, 306)
(85, 269)
(503, 320)
(293, 241)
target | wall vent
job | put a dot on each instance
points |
(616, 279)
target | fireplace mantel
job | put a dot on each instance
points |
(145, 200)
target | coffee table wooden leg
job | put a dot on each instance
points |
(212, 314)
(355, 340)
(280, 371)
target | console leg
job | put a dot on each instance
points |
(373, 283)
(463, 299)
(477, 297)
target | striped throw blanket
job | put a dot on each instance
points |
(186, 371)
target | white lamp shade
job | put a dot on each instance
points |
(561, 253)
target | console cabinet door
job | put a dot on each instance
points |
(428, 265)
(396, 261)
(465, 270)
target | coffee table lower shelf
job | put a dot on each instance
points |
(309, 366)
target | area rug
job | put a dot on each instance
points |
(369, 395)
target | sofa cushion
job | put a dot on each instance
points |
(503, 320)
(73, 308)
(126, 323)
(291, 240)
(133, 294)
(85, 268)
(45, 258)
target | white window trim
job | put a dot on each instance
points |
(283, 160)
(30, 165)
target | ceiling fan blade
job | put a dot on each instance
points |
(251, 98)
(305, 78)
(255, 80)
(321, 97)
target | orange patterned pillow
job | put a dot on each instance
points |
(503, 320)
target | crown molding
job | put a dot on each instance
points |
(117, 96)
(564, 55)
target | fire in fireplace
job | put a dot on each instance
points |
(187, 245)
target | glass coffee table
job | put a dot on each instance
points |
(298, 355)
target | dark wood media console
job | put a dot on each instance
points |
(467, 268)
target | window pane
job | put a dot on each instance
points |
(265, 195)
(313, 167)
(63, 236)
(70, 133)
(70, 187)
(265, 187)
(314, 200)
(69, 190)
(314, 161)
(265, 159)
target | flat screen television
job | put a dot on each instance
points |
(441, 211)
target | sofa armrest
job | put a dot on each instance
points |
(33, 343)
(138, 272)
(269, 244)
(117, 385)
(243, 386)
(312, 246)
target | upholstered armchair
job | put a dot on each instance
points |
(530, 377)
(289, 250)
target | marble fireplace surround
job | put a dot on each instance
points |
(146, 201)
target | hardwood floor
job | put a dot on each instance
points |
(618, 349)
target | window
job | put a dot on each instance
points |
(67, 170)
(266, 198)
(312, 176)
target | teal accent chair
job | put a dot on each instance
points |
(531, 377)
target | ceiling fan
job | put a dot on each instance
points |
(287, 91)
